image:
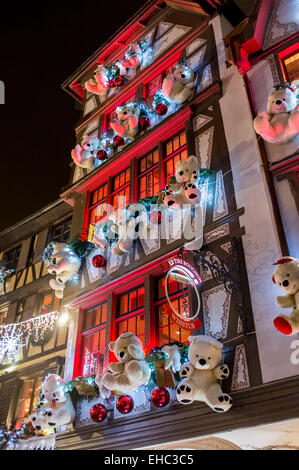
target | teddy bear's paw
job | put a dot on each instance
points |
(225, 402)
(283, 325)
(191, 192)
(170, 201)
(224, 371)
(168, 188)
(186, 371)
(185, 393)
(109, 381)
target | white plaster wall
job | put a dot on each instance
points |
(260, 241)
(71, 345)
(289, 214)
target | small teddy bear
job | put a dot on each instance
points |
(65, 264)
(98, 84)
(127, 122)
(62, 410)
(131, 371)
(286, 277)
(185, 188)
(105, 233)
(133, 57)
(38, 422)
(178, 85)
(200, 375)
(173, 357)
(281, 123)
(84, 155)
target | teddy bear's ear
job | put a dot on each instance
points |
(192, 158)
(273, 279)
(285, 259)
(217, 347)
(192, 339)
(111, 346)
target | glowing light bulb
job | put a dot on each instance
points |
(63, 319)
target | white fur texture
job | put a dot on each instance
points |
(178, 85)
(185, 190)
(65, 264)
(84, 155)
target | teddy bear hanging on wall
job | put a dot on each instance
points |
(286, 277)
(280, 124)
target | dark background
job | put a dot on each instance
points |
(42, 45)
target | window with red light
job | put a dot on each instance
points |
(151, 88)
(148, 175)
(28, 400)
(291, 66)
(120, 196)
(49, 303)
(175, 149)
(98, 204)
(168, 331)
(130, 313)
(93, 340)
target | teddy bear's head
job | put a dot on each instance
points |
(281, 101)
(187, 170)
(286, 275)
(99, 75)
(133, 49)
(127, 347)
(205, 352)
(90, 144)
(126, 111)
(183, 74)
(53, 389)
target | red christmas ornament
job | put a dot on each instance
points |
(125, 404)
(111, 84)
(118, 141)
(160, 397)
(98, 413)
(161, 109)
(144, 123)
(98, 261)
(119, 81)
(156, 217)
(102, 155)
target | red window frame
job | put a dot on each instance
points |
(146, 173)
(120, 187)
(175, 149)
(283, 56)
(130, 314)
(98, 198)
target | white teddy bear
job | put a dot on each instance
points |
(133, 57)
(98, 84)
(127, 122)
(131, 371)
(65, 264)
(286, 277)
(104, 234)
(61, 403)
(84, 155)
(200, 375)
(185, 189)
(173, 357)
(178, 85)
(40, 421)
(281, 123)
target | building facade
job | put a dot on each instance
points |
(234, 55)
(26, 297)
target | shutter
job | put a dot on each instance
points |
(24, 254)
(6, 394)
(29, 307)
(11, 314)
(40, 245)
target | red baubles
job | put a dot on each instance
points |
(98, 261)
(156, 217)
(160, 397)
(111, 84)
(118, 141)
(125, 404)
(161, 109)
(144, 123)
(119, 81)
(102, 155)
(98, 413)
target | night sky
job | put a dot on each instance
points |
(40, 47)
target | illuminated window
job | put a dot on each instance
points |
(98, 204)
(120, 196)
(3, 316)
(148, 175)
(20, 310)
(61, 233)
(168, 331)
(151, 88)
(12, 258)
(174, 150)
(29, 398)
(49, 303)
(291, 66)
(130, 313)
(93, 340)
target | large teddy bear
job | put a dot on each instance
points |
(65, 264)
(98, 84)
(286, 277)
(55, 407)
(131, 371)
(281, 123)
(185, 188)
(178, 85)
(84, 155)
(127, 122)
(200, 375)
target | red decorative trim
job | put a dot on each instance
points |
(286, 166)
(255, 43)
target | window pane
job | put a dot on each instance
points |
(140, 325)
(88, 319)
(141, 297)
(123, 304)
(132, 325)
(132, 301)
(104, 313)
